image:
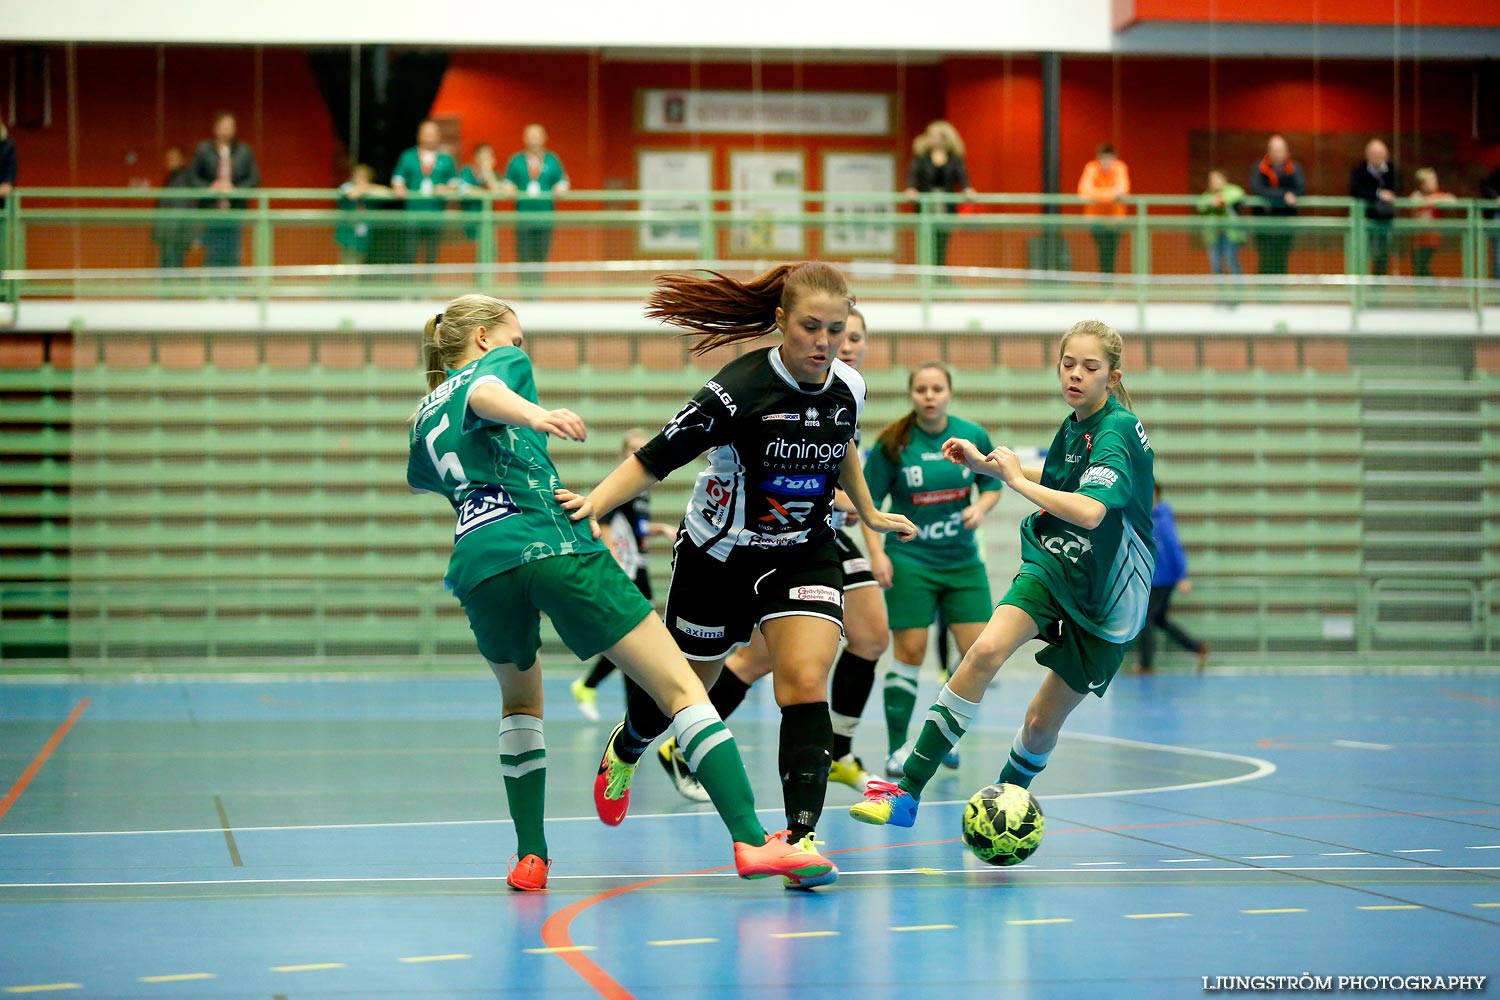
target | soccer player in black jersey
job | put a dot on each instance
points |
(756, 547)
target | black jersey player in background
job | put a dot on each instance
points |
(756, 547)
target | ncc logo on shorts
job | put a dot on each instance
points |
(827, 595)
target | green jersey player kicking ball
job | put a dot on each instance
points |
(1085, 577)
(479, 439)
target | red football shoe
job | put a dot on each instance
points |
(529, 874)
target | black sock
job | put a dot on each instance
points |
(853, 679)
(806, 737)
(727, 693)
(644, 722)
(603, 667)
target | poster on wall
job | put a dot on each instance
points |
(861, 227)
(680, 171)
(766, 185)
(760, 112)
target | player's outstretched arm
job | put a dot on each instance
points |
(630, 479)
(963, 452)
(499, 403)
(1075, 508)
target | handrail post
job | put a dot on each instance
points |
(1355, 263)
(1473, 257)
(12, 248)
(707, 235)
(261, 251)
(926, 246)
(1140, 260)
(487, 252)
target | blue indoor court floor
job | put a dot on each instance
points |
(345, 837)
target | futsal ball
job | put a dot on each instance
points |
(1003, 824)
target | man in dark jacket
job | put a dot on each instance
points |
(1489, 190)
(1374, 181)
(223, 164)
(1277, 181)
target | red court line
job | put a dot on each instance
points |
(40, 759)
(557, 930)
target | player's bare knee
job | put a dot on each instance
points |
(986, 655)
(911, 649)
(869, 645)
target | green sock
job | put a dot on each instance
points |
(900, 690)
(947, 721)
(523, 763)
(714, 759)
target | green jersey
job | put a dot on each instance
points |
(933, 492)
(1102, 578)
(498, 477)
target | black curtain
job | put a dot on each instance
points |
(396, 91)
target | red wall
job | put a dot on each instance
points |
(137, 101)
(1432, 13)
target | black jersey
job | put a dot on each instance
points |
(774, 450)
(629, 524)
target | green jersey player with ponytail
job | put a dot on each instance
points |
(1085, 579)
(941, 570)
(479, 439)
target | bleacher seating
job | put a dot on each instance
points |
(244, 505)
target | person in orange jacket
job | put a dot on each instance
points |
(1105, 183)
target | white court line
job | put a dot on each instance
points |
(1484, 847)
(1418, 850)
(843, 873)
(1262, 769)
(1360, 745)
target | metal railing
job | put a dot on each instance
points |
(300, 244)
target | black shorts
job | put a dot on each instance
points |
(714, 606)
(856, 567)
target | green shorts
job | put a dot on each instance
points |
(918, 591)
(591, 602)
(1084, 661)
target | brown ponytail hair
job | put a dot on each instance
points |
(719, 310)
(897, 434)
(1114, 348)
(445, 338)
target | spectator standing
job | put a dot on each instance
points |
(1169, 577)
(223, 164)
(1374, 182)
(535, 177)
(353, 231)
(1277, 181)
(1221, 236)
(1489, 190)
(937, 165)
(1425, 242)
(1105, 182)
(174, 236)
(479, 176)
(424, 177)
